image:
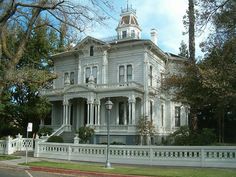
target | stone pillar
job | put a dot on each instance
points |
(76, 139)
(36, 148)
(8, 149)
(20, 142)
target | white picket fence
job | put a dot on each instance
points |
(10, 145)
(195, 156)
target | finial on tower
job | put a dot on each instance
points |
(127, 5)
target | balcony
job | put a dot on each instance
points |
(121, 129)
(95, 87)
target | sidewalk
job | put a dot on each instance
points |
(15, 164)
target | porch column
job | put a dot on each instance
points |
(130, 113)
(98, 113)
(88, 113)
(65, 112)
(133, 112)
(69, 113)
(91, 114)
(125, 113)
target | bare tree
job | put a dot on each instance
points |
(24, 14)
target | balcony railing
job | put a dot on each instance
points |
(115, 128)
(101, 87)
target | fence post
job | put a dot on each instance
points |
(76, 139)
(36, 149)
(8, 145)
(202, 157)
(19, 142)
(69, 152)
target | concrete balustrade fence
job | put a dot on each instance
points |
(10, 145)
(195, 156)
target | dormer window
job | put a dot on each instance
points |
(91, 52)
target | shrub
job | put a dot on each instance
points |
(45, 131)
(184, 136)
(55, 139)
(85, 133)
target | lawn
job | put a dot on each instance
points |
(7, 157)
(142, 170)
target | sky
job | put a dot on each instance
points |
(166, 16)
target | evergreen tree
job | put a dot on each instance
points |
(183, 50)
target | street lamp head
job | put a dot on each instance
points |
(108, 105)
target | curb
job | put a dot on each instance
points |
(76, 172)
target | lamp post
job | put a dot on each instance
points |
(108, 106)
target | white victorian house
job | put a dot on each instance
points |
(129, 71)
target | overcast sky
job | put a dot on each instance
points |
(164, 15)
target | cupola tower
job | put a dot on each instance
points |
(128, 27)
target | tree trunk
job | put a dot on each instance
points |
(191, 17)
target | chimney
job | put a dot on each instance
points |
(154, 36)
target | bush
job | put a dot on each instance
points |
(55, 139)
(85, 133)
(45, 131)
(184, 136)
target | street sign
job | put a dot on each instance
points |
(30, 127)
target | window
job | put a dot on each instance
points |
(121, 74)
(121, 113)
(177, 116)
(88, 72)
(162, 115)
(125, 73)
(72, 78)
(66, 78)
(150, 76)
(132, 33)
(94, 73)
(129, 73)
(151, 111)
(124, 34)
(91, 52)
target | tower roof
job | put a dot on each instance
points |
(128, 26)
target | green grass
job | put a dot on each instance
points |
(7, 157)
(141, 170)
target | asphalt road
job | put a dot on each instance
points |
(10, 172)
